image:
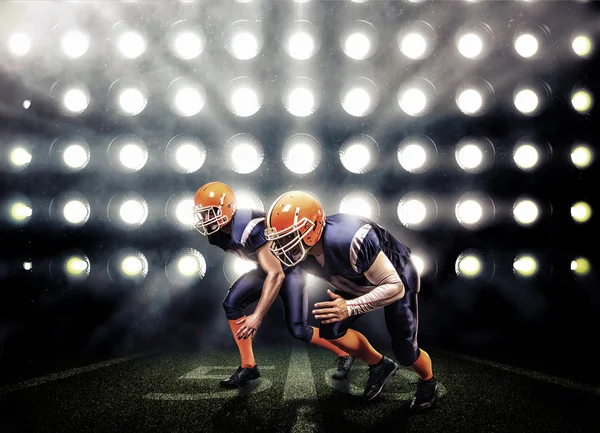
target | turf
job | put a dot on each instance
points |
(294, 394)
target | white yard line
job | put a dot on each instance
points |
(67, 373)
(300, 385)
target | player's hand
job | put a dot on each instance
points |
(251, 325)
(335, 310)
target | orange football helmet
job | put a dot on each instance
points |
(294, 223)
(214, 206)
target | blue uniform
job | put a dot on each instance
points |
(350, 246)
(247, 237)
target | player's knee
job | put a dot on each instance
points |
(405, 352)
(232, 310)
(331, 332)
(301, 331)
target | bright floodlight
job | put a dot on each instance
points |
(358, 154)
(19, 44)
(470, 45)
(412, 212)
(525, 266)
(75, 43)
(360, 204)
(301, 45)
(582, 45)
(76, 212)
(526, 45)
(580, 266)
(469, 212)
(189, 157)
(245, 102)
(412, 157)
(581, 101)
(581, 212)
(244, 45)
(357, 102)
(470, 101)
(526, 156)
(77, 266)
(418, 262)
(246, 158)
(188, 45)
(526, 101)
(132, 266)
(301, 153)
(131, 44)
(133, 212)
(75, 156)
(189, 266)
(189, 101)
(132, 101)
(20, 211)
(469, 157)
(357, 46)
(582, 156)
(20, 157)
(468, 266)
(248, 200)
(133, 156)
(526, 212)
(184, 212)
(412, 101)
(300, 102)
(413, 46)
(76, 100)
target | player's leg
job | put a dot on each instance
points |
(402, 321)
(295, 303)
(243, 292)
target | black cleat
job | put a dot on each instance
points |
(425, 395)
(343, 367)
(241, 376)
(378, 376)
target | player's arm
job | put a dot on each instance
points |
(389, 287)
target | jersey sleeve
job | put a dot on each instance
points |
(256, 239)
(364, 249)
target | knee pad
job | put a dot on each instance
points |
(301, 331)
(405, 352)
(232, 311)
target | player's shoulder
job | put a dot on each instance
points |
(340, 229)
(245, 221)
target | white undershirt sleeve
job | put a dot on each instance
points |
(389, 287)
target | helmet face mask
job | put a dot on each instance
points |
(288, 244)
(209, 219)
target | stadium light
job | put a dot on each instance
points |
(245, 40)
(185, 267)
(246, 199)
(301, 97)
(474, 96)
(301, 40)
(20, 157)
(415, 96)
(580, 266)
(474, 155)
(186, 40)
(180, 210)
(244, 153)
(359, 97)
(581, 155)
(359, 153)
(301, 153)
(417, 154)
(525, 266)
(531, 98)
(581, 100)
(582, 45)
(359, 40)
(581, 212)
(75, 43)
(526, 211)
(186, 97)
(417, 211)
(19, 44)
(361, 204)
(128, 210)
(474, 210)
(417, 40)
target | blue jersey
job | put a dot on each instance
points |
(350, 246)
(247, 234)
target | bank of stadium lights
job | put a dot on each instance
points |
(359, 153)
(474, 96)
(531, 98)
(581, 100)
(128, 152)
(186, 153)
(243, 97)
(128, 265)
(186, 97)
(185, 267)
(359, 97)
(359, 40)
(525, 265)
(19, 44)
(474, 39)
(474, 155)
(581, 212)
(526, 211)
(474, 210)
(360, 203)
(128, 210)
(301, 97)
(301, 153)
(417, 40)
(246, 199)
(417, 154)
(417, 211)
(70, 208)
(301, 40)
(415, 96)
(74, 43)
(582, 45)
(581, 155)
(71, 154)
(186, 40)
(244, 153)
(580, 266)
(245, 40)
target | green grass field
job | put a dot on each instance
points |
(180, 392)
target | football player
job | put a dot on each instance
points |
(369, 269)
(241, 232)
